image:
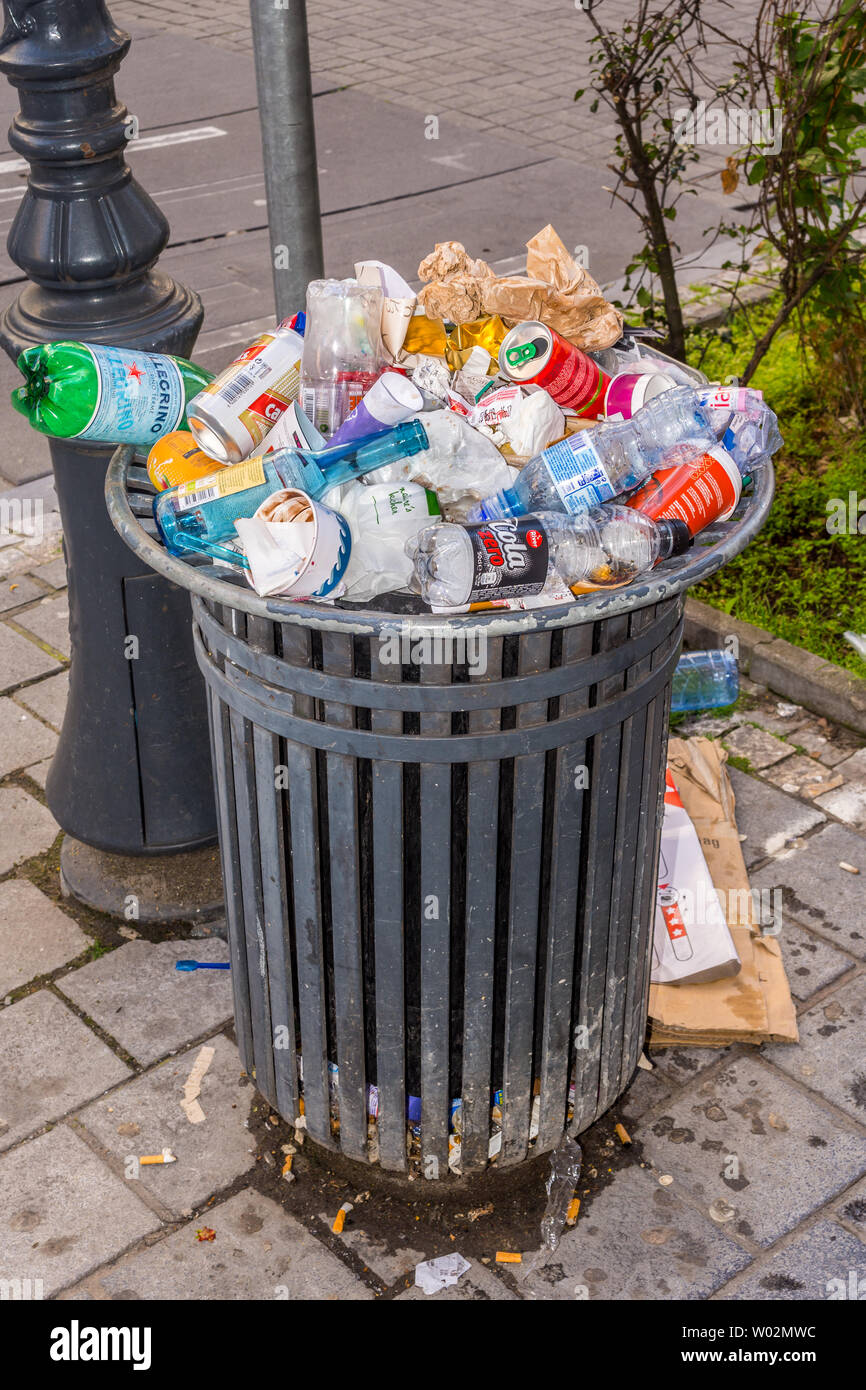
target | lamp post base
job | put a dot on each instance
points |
(150, 889)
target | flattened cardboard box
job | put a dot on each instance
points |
(754, 1005)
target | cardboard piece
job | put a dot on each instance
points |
(754, 1005)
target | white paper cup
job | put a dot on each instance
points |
(321, 570)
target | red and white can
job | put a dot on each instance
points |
(705, 490)
(533, 354)
(234, 412)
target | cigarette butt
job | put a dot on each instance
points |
(849, 868)
(287, 1166)
(340, 1218)
(573, 1209)
(623, 1134)
(165, 1157)
(508, 1257)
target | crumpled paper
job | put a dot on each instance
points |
(555, 290)
(433, 1275)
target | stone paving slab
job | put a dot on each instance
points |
(682, 1064)
(768, 818)
(638, 1240)
(39, 772)
(52, 1062)
(477, 1285)
(792, 1154)
(47, 698)
(810, 961)
(35, 936)
(24, 739)
(136, 994)
(20, 659)
(14, 592)
(817, 1264)
(829, 900)
(852, 1208)
(853, 769)
(49, 620)
(63, 1213)
(27, 828)
(54, 573)
(796, 775)
(647, 1089)
(761, 748)
(814, 738)
(210, 1155)
(390, 1265)
(847, 803)
(259, 1252)
(831, 1058)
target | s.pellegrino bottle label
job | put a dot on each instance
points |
(140, 396)
(509, 558)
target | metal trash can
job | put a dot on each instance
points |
(439, 877)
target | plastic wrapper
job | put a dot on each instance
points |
(381, 517)
(461, 465)
(565, 1166)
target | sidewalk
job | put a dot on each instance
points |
(100, 1032)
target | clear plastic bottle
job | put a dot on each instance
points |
(513, 557)
(343, 352)
(744, 424)
(595, 465)
(705, 680)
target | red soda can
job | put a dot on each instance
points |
(534, 354)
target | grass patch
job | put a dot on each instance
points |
(796, 579)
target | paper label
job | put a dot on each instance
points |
(578, 474)
(238, 478)
(509, 558)
(140, 396)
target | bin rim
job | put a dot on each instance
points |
(713, 548)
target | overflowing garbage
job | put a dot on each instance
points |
(489, 441)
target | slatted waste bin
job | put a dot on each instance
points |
(439, 842)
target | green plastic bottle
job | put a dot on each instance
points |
(105, 394)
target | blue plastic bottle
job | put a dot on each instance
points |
(705, 680)
(197, 516)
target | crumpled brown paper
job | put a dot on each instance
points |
(554, 290)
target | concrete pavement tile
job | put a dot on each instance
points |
(682, 1064)
(35, 936)
(847, 803)
(39, 771)
(814, 738)
(761, 748)
(796, 774)
(388, 1264)
(26, 828)
(136, 994)
(818, 1264)
(14, 592)
(853, 769)
(830, 1058)
(647, 1089)
(209, 1155)
(790, 1155)
(478, 1284)
(852, 1208)
(63, 1213)
(23, 738)
(54, 573)
(47, 698)
(810, 961)
(637, 1241)
(21, 659)
(259, 1253)
(829, 900)
(51, 1063)
(49, 620)
(768, 818)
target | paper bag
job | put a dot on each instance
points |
(755, 1005)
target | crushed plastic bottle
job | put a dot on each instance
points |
(596, 465)
(601, 548)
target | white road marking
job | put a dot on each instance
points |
(144, 142)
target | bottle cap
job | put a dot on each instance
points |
(678, 535)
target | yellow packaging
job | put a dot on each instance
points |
(176, 458)
(235, 478)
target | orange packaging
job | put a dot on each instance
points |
(698, 493)
(176, 458)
